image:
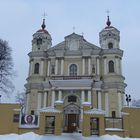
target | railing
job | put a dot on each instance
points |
(113, 122)
(70, 77)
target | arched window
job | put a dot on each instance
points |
(110, 45)
(39, 41)
(36, 68)
(73, 70)
(111, 66)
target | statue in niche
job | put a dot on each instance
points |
(93, 69)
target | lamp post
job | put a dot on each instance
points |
(0, 98)
(128, 99)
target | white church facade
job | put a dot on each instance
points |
(74, 73)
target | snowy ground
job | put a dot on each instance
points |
(64, 136)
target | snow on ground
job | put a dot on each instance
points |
(64, 136)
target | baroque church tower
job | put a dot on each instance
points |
(113, 81)
(76, 73)
(41, 42)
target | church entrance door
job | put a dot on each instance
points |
(72, 124)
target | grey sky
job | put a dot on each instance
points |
(21, 18)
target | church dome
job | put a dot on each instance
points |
(43, 26)
(43, 30)
(109, 27)
(109, 35)
(41, 39)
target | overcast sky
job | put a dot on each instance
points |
(19, 19)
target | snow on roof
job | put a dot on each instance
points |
(95, 111)
(18, 110)
(49, 109)
(72, 83)
(124, 113)
(86, 103)
(114, 129)
(58, 101)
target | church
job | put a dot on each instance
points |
(75, 73)
(74, 86)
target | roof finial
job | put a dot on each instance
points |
(43, 24)
(73, 29)
(82, 33)
(108, 20)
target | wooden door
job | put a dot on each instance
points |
(72, 122)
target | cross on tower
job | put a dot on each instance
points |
(107, 12)
(43, 24)
(44, 15)
(73, 29)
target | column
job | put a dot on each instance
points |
(48, 73)
(82, 96)
(119, 103)
(89, 66)
(106, 105)
(89, 96)
(62, 66)
(53, 98)
(83, 66)
(117, 65)
(82, 113)
(60, 95)
(45, 99)
(39, 101)
(41, 68)
(98, 66)
(120, 66)
(82, 101)
(31, 68)
(56, 66)
(29, 73)
(99, 100)
(27, 102)
(105, 66)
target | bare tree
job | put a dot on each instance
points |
(6, 68)
(136, 102)
(21, 99)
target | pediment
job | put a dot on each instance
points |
(74, 42)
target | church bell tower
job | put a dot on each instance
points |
(113, 80)
(41, 42)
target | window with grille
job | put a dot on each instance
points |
(72, 99)
(16, 118)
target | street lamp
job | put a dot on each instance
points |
(0, 98)
(128, 99)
